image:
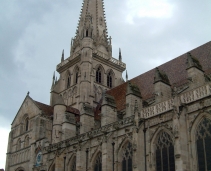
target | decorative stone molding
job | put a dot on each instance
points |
(94, 133)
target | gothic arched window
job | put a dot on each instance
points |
(127, 158)
(73, 164)
(68, 80)
(165, 153)
(27, 124)
(203, 141)
(27, 141)
(98, 163)
(76, 75)
(109, 80)
(99, 75)
(19, 144)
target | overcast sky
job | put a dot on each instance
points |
(33, 34)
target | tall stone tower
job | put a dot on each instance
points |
(90, 69)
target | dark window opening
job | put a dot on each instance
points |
(98, 163)
(68, 81)
(98, 76)
(109, 80)
(27, 124)
(127, 158)
(165, 153)
(73, 167)
(76, 77)
(203, 141)
(87, 33)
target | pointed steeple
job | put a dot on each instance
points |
(126, 76)
(120, 55)
(62, 58)
(53, 81)
(92, 24)
(92, 15)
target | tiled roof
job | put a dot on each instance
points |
(48, 110)
(175, 70)
(72, 110)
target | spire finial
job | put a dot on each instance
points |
(28, 93)
(120, 55)
(62, 59)
(126, 76)
(53, 81)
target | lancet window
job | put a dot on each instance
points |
(165, 153)
(73, 164)
(203, 141)
(76, 75)
(99, 75)
(109, 80)
(98, 163)
(68, 80)
(27, 124)
(127, 156)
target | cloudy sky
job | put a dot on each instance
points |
(34, 32)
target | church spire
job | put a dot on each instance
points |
(62, 58)
(92, 24)
(120, 55)
(92, 15)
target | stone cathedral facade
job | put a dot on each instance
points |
(96, 121)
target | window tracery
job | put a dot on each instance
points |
(165, 153)
(109, 80)
(127, 156)
(203, 141)
(98, 163)
(99, 75)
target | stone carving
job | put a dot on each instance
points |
(196, 94)
(83, 137)
(157, 109)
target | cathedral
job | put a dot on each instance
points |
(97, 121)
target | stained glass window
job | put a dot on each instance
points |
(127, 158)
(98, 163)
(165, 153)
(203, 142)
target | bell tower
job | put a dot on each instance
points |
(90, 69)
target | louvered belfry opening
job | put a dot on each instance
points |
(127, 158)
(165, 160)
(203, 142)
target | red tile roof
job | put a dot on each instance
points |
(72, 110)
(175, 70)
(48, 110)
